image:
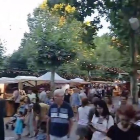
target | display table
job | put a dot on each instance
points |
(9, 108)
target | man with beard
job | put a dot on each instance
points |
(125, 129)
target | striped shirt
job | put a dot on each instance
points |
(59, 116)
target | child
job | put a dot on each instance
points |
(13, 119)
(19, 125)
(30, 121)
(42, 132)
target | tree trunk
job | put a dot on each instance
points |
(89, 75)
(52, 81)
(133, 78)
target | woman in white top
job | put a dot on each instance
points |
(101, 121)
(83, 112)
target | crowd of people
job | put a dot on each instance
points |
(96, 115)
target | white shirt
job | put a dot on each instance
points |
(106, 124)
(82, 95)
(16, 96)
(93, 91)
(43, 96)
(83, 115)
(32, 97)
(100, 90)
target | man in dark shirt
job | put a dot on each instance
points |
(67, 96)
(60, 118)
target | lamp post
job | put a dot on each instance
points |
(134, 23)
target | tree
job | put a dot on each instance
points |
(105, 60)
(2, 50)
(119, 14)
(17, 61)
(105, 53)
(53, 38)
(75, 9)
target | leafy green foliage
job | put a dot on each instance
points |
(119, 13)
(48, 43)
(54, 55)
(2, 50)
(54, 43)
(17, 61)
(84, 8)
(105, 53)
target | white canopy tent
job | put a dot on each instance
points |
(29, 80)
(57, 78)
(79, 81)
(6, 80)
(26, 78)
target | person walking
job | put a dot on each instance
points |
(83, 112)
(43, 95)
(90, 116)
(19, 125)
(31, 96)
(123, 101)
(101, 121)
(110, 105)
(30, 121)
(16, 97)
(67, 96)
(59, 122)
(125, 129)
(82, 94)
(75, 101)
(40, 111)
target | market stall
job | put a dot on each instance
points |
(57, 79)
(78, 81)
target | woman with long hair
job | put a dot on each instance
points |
(90, 115)
(125, 129)
(101, 121)
(83, 112)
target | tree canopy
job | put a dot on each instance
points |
(59, 37)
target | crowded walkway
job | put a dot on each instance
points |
(80, 116)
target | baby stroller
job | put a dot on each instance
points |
(13, 119)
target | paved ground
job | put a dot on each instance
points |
(11, 136)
